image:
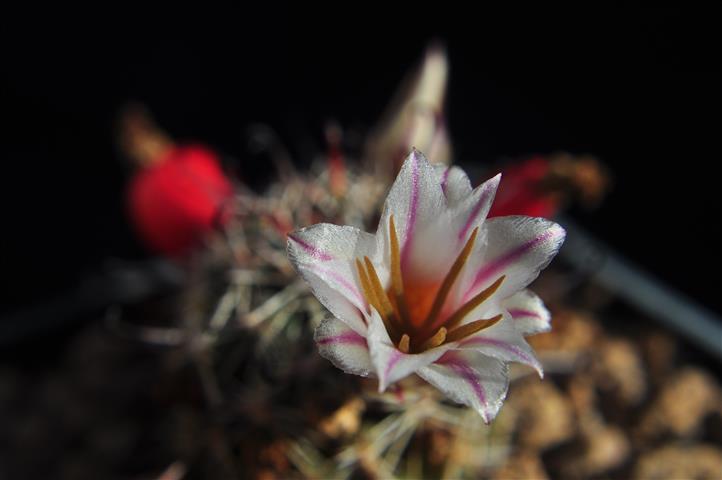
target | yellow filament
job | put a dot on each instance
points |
(464, 331)
(465, 309)
(366, 286)
(451, 278)
(397, 282)
(385, 308)
(438, 338)
(404, 343)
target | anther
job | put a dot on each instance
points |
(366, 286)
(467, 308)
(404, 343)
(438, 338)
(384, 307)
(451, 278)
(397, 283)
(471, 328)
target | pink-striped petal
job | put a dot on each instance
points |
(472, 211)
(335, 292)
(505, 342)
(343, 347)
(390, 364)
(528, 313)
(415, 200)
(324, 256)
(326, 242)
(470, 378)
(517, 247)
(454, 183)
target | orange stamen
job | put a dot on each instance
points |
(366, 286)
(397, 282)
(465, 309)
(438, 338)
(471, 328)
(451, 278)
(385, 308)
(404, 343)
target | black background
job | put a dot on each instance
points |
(637, 87)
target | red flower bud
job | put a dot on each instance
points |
(178, 199)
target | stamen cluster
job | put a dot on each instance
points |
(414, 335)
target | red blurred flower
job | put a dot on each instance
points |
(522, 192)
(178, 199)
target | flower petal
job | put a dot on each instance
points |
(470, 378)
(326, 242)
(415, 200)
(454, 183)
(503, 341)
(528, 313)
(432, 252)
(473, 209)
(324, 254)
(517, 247)
(392, 365)
(343, 347)
(328, 289)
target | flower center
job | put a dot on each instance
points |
(419, 296)
(413, 311)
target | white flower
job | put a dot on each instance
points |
(438, 291)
